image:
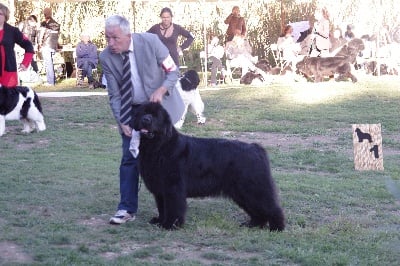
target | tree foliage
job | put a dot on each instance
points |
(264, 18)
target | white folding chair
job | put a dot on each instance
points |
(276, 54)
(182, 64)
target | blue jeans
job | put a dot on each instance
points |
(128, 178)
(47, 54)
(87, 70)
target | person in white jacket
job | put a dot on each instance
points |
(289, 48)
(215, 54)
(321, 43)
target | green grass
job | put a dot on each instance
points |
(59, 187)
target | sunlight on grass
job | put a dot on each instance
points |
(317, 94)
(334, 92)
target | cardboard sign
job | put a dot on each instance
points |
(367, 144)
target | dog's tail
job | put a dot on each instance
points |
(37, 103)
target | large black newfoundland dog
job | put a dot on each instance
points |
(175, 166)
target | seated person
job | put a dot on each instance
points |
(238, 54)
(86, 58)
(215, 53)
(289, 48)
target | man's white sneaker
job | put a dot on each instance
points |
(121, 217)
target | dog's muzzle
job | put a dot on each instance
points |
(146, 134)
(145, 123)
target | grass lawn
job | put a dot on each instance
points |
(58, 188)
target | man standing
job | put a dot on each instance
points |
(138, 69)
(236, 24)
(48, 43)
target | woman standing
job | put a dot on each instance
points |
(169, 32)
(9, 36)
(321, 44)
(236, 23)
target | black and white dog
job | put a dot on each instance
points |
(191, 97)
(21, 103)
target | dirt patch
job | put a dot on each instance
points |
(12, 253)
(283, 142)
(287, 142)
(31, 146)
(182, 251)
(96, 221)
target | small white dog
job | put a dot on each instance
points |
(21, 103)
(191, 97)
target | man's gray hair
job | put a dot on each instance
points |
(120, 21)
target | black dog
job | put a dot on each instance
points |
(361, 136)
(175, 166)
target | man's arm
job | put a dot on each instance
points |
(112, 86)
(189, 38)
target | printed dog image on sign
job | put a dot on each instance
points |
(367, 145)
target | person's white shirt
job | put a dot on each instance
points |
(215, 49)
(290, 49)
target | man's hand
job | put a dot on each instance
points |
(127, 130)
(22, 67)
(156, 97)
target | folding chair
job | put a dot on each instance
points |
(60, 68)
(182, 64)
(233, 69)
(276, 54)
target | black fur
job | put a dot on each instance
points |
(37, 103)
(176, 166)
(25, 108)
(361, 136)
(190, 80)
(375, 150)
(8, 100)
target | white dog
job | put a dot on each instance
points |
(21, 103)
(191, 97)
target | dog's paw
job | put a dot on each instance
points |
(169, 227)
(155, 221)
(253, 223)
(201, 120)
(27, 130)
